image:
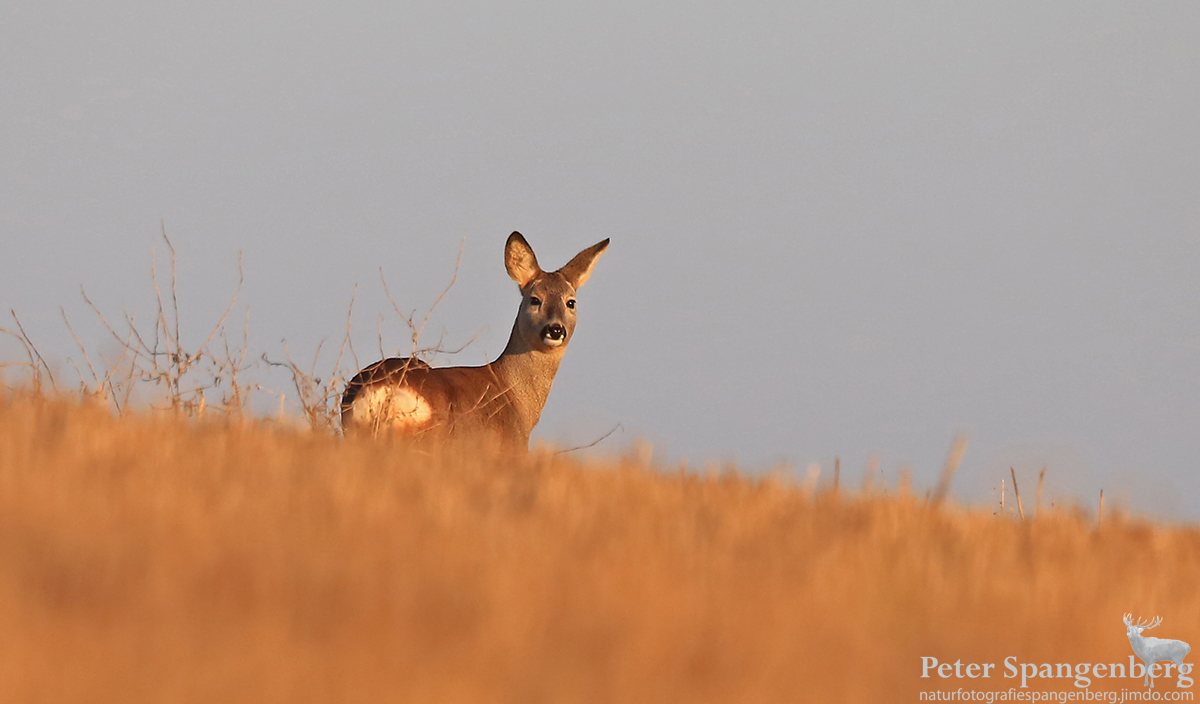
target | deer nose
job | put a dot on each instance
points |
(554, 332)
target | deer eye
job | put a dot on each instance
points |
(535, 301)
(571, 304)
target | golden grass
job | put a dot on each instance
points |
(148, 559)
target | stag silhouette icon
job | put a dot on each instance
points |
(1152, 650)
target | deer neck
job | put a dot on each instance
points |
(1138, 641)
(527, 375)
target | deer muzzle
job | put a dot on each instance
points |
(554, 335)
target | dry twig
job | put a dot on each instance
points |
(36, 363)
(1017, 492)
(952, 461)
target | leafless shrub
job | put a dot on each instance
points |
(211, 376)
(317, 398)
(183, 375)
(415, 329)
(112, 387)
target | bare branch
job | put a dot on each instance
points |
(453, 278)
(1017, 492)
(100, 390)
(414, 329)
(220, 326)
(593, 443)
(36, 362)
(174, 295)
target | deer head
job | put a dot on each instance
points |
(1134, 630)
(546, 319)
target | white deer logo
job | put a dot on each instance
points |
(1150, 649)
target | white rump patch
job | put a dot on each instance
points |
(396, 406)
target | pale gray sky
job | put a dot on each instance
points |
(837, 228)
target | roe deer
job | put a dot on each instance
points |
(1151, 650)
(496, 403)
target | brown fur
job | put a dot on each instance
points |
(497, 403)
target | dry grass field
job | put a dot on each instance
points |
(151, 559)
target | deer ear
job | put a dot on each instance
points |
(520, 260)
(579, 268)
